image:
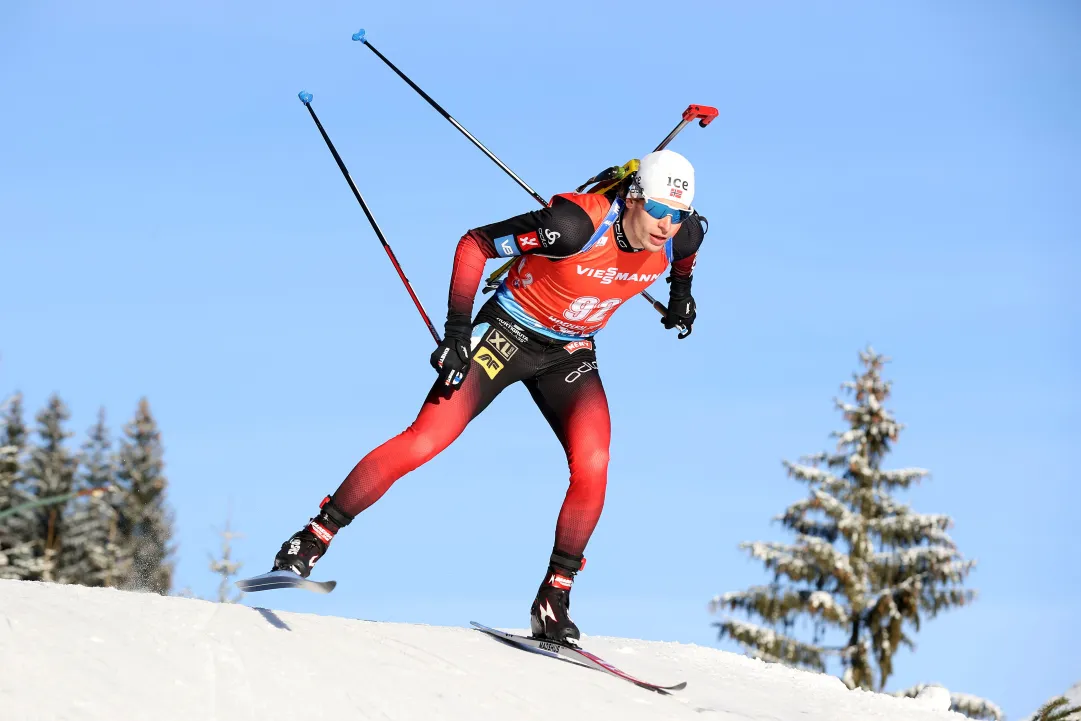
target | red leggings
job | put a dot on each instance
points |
(564, 384)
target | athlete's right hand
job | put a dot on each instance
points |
(451, 356)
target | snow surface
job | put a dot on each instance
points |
(88, 654)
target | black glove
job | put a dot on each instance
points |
(681, 308)
(451, 356)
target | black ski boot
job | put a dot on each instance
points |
(308, 545)
(549, 618)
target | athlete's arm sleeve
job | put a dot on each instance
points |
(685, 245)
(556, 232)
(473, 250)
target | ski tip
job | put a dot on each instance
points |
(360, 35)
(305, 97)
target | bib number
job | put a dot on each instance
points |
(587, 304)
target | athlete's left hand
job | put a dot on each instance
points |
(681, 308)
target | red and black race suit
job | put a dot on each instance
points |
(574, 272)
(562, 378)
(543, 339)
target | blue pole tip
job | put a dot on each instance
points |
(359, 35)
(304, 97)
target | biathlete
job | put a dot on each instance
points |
(576, 263)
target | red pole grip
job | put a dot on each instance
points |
(703, 113)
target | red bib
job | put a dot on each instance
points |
(576, 296)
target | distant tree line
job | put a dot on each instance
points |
(93, 516)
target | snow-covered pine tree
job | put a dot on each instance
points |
(225, 566)
(91, 554)
(49, 473)
(864, 568)
(145, 523)
(17, 559)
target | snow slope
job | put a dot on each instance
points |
(98, 654)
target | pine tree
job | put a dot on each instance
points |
(17, 559)
(864, 568)
(225, 566)
(91, 554)
(50, 473)
(145, 523)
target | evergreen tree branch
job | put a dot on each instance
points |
(1058, 709)
(778, 606)
(939, 564)
(904, 528)
(975, 707)
(817, 476)
(842, 520)
(772, 647)
(826, 530)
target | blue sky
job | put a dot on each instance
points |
(900, 174)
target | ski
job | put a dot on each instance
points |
(283, 579)
(572, 654)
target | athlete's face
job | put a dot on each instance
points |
(643, 230)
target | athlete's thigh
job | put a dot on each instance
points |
(572, 399)
(494, 365)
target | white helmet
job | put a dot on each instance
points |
(666, 176)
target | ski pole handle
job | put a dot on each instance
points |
(704, 114)
(663, 310)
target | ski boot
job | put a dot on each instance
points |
(308, 545)
(549, 618)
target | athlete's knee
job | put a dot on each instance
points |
(419, 445)
(590, 467)
(424, 441)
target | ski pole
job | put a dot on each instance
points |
(359, 36)
(306, 98)
(703, 113)
(608, 179)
